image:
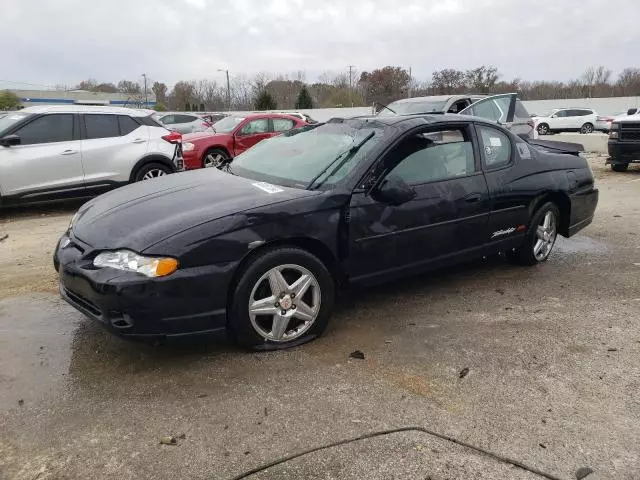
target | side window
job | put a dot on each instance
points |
(185, 119)
(260, 125)
(433, 156)
(561, 113)
(489, 110)
(101, 126)
(168, 119)
(47, 129)
(282, 124)
(127, 124)
(496, 146)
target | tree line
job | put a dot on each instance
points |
(383, 85)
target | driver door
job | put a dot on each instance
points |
(447, 216)
(252, 132)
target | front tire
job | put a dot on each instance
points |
(586, 128)
(619, 167)
(540, 238)
(152, 170)
(284, 298)
(214, 158)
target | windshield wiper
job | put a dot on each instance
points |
(347, 155)
(385, 106)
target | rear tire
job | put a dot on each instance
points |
(152, 170)
(619, 167)
(215, 158)
(543, 129)
(586, 128)
(268, 285)
(540, 237)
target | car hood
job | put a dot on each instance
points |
(198, 136)
(140, 215)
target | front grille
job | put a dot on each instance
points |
(630, 135)
(630, 131)
(83, 303)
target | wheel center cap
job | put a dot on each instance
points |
(286, 302)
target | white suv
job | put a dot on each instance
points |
(581, 120)
(76, 151)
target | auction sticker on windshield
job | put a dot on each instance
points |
(267, 187)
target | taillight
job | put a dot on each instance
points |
(173, 137)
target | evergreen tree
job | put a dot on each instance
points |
(304, 100)
(264, 101)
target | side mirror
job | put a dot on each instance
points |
(393, 190)
(554, 116)
(632, 111)
(10, 140)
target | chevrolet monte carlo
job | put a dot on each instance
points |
(261, 247)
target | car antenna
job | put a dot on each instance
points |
(387, 107)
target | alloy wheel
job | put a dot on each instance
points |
(284, 303)
(546, 234)
(543, 129)
(213, 160)
(154, 173)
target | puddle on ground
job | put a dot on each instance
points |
(580, 244)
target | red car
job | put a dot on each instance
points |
(233, 135)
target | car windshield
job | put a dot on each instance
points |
(7, 120)
(313, 154)
(227, 124)
(407, 108)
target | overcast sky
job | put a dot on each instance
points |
(64, 41)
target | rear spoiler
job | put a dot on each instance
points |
(559, 147)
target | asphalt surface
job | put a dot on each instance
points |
(552, 383)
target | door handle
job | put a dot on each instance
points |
(473, 198)
(138, 140)
(69, 152)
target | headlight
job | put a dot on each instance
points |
(188, 146)
(132, 262)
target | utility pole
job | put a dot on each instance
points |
(146, 100)
(351, 67)
(409, 92)
(228, 89)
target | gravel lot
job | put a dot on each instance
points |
(552, 357)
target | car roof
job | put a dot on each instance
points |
(415, 119)
(132, 112)
(438, 98)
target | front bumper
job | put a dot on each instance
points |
(190, 301)
(623, 152)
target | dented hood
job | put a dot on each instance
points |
(143, 214)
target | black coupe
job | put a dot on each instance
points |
(261, 247)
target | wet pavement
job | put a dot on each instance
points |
(551, 351)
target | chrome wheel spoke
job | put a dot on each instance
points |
(303, 311)
(279, 326)
(547, 221)
(538, 247)
(300, 286)
(540, 232)
(277, 282)
(265, 306)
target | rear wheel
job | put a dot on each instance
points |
(284, 298)
(619, 167)
(214, 158)
(152, 170)
(587, 128)
(540, 238)
(543, 129)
